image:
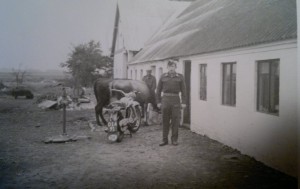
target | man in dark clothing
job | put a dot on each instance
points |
(171, 84)
(150, 80)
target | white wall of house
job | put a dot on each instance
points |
(298, 73)
(120, 64)
(268, 138)
(271, 139)
(159, 66)
(121, 60)
(120, 57)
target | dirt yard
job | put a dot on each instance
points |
(137, 162)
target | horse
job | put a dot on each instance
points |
(104, 94)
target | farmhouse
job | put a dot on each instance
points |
(239, 59)
(135, 22)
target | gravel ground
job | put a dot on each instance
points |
(137, 162)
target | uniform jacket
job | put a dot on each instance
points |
(174, 83)
(150, 81)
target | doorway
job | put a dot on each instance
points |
(187, 77)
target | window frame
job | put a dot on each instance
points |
(258, 86)
(224, 64)
(160, 71)
(141, 74)
(204, 66)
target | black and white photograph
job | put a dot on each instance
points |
(149, 94)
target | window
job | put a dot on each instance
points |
(153, 68)
(203, 81)
(141, 75)
(135, 74)
(160, 72)
(131, 74)
(268, 86)
(229, 83)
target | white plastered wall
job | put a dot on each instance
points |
(298, 80)
(120, 65)
(268, 138)
(145, 66)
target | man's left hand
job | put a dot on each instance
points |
(183, 105)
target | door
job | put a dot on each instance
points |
(153, 68)
(187, 77)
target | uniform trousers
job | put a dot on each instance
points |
(170, 112)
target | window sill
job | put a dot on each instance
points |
(268, 113)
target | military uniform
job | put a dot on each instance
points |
(150, 80)
(171, 85)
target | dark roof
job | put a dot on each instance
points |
(214, 25)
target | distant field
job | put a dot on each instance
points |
(39, 83)
(34, 76)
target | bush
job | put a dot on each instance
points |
(16, 92)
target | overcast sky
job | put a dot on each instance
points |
(40, 33)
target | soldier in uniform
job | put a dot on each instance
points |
(150, 80)
(171, 84)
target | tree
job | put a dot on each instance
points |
(19, 75)
(105, 71)
(84, 60)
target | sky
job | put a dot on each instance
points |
(40, 34)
